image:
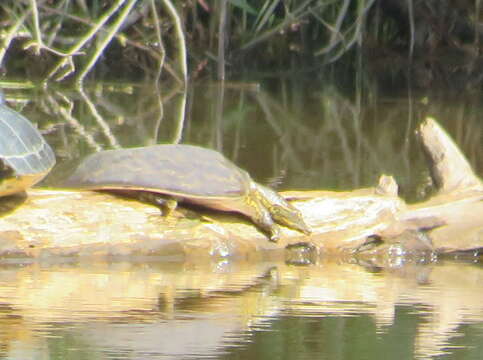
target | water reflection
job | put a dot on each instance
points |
(156, 311)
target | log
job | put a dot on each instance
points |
(449, 168)
(458, 205)
(56, 225)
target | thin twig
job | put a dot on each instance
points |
(359, 22)
(411, 27)
(100, 120)
(37, 42)
(180, 119)
(182, 61)
(73, 122)
(107, 39)
(133, 43)
(266, 14)
(162, 51)
(221, 41)
(335, 36)
(297, 14)
(157, 26)
(10, 35)
(35, 18)
(90, 34)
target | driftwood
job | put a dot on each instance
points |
(56, 225)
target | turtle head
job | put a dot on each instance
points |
(281, 211)
(290, 217)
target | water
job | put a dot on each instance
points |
(236, 310)
(288, 134)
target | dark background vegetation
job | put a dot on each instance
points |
(426, 42)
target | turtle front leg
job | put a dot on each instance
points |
(166, 203)
(260, 215)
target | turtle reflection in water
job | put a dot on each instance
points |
(189, 174)
(25, 157)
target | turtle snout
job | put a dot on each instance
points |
(291, 218)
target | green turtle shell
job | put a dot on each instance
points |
(179, 170)
(25, 157)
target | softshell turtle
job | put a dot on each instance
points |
(189, 174)
(25, 157)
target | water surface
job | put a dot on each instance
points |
(240, 311)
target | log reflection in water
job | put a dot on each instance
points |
(226, 302)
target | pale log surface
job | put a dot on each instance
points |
(449, 168)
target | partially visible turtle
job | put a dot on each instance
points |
(25, 157)
(189, 174)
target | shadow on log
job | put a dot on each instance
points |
(371, 224)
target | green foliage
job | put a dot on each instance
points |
(73, 38)
(243, 5)
(149, 39)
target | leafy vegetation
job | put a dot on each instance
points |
(69, 39)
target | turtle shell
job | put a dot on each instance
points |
(185, 171)
(25, 157)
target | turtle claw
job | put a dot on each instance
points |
(167, 204)
(303, 227)
(274, 234)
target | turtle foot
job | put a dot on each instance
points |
(274, 234)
